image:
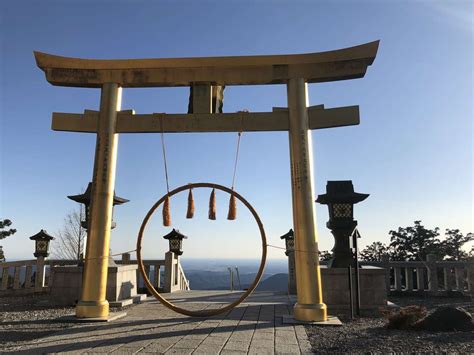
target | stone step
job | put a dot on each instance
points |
(127, 302)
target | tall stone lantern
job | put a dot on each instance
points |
(340, 199)
(85, 199)
(290, 252)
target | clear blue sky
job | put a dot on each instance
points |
(412, 152)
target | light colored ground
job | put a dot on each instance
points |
(254, 327)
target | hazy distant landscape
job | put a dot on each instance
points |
(213, 274)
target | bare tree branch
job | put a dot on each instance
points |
(70, 240)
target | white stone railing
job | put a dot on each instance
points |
(184, 280)
(32, 276)
(174, 277)
(23, 277)
(430, 276)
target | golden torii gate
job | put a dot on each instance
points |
(205, 75)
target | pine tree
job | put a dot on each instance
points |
(4, 232)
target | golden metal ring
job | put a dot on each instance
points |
(211, 312)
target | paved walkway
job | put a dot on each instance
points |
(254, 327)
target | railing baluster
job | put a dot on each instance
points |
(147, 270)
(459, 273)
(50, 277)
(29, 272)
(448, 278)
(420, 279)
(409, 278)
(470, 278)
(432, 273)
(4, 278)
(398, 278)
(386, 265)
(16, 278)
(39, 276)
(156, 276)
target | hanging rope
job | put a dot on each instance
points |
(232, 215)
(236, 159)
(190, 210)
(166, 205)
(164, 155)
(212, 205)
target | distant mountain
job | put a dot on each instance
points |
(277, 282)
(216, 280)
(213, 274)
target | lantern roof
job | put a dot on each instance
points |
(340, 192)
(289, 235)
(85, 198)
(175, 234)
(42, 235)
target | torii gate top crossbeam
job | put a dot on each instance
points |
(342, 64)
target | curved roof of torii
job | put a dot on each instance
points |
(341, 64)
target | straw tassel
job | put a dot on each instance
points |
(232, 208)
(166, 212)
(212, 205)
(190, 212)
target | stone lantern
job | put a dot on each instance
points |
(42, 239)
(289, 241)
(175, 239)
(340, 199)
(290, 252)
(85, 199)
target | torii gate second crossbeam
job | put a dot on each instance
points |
(205, 75)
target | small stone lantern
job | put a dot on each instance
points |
(290, 252)
(175, 239)
(85, 199)
(42, 240)
(340, 199)
(289, 241)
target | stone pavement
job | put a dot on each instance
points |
(254, 327)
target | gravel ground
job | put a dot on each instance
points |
(27, 318)
(370, 335)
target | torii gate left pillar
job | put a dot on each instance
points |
(93, 302)
(298, 119)
(310, 305)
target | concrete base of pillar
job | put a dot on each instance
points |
(110, 318)
(310, 312)
(330, 321)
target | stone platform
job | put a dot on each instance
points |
(373, 289)
(254, 327)
(66, 285)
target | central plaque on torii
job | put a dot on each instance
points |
(207, 77)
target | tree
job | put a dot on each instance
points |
(4, 232)
(374, 251)
(414, 243)
(69, 242)
(452, 245)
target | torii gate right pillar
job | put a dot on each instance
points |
(309, 306)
